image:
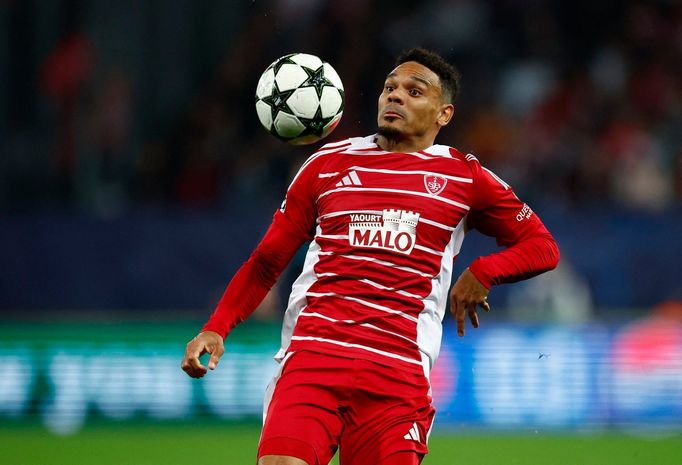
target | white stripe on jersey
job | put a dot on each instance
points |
(381, 262)
(297, 298)
(395, 191)
(327, 175)
(386, 288)
(377, 285)
(334, 148)
(333, 236)
(269, 391)
(353, 322)
(349, 212)
(427, 250)
(324, 151)
(326, 275)
(436, 224)
(336, 144)
(429, 328)
(426, 173)
(440, 150)
(383, 152)
(351, 150)
(497, 178)
(362, 302)
(357, 346)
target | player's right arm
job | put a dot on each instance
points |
(292, 225)
(205, 342)
(245, 291)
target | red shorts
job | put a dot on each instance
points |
(320, 402)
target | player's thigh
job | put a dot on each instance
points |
(402, 458)
(281, 460)
(302, 418)
(391, 414)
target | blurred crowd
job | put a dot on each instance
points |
(576, 104)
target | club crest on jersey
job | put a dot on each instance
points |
(394, 230)
(434, 184)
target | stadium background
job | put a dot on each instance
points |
(135, 178)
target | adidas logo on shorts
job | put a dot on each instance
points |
(413, 434)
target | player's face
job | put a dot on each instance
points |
(411, 103)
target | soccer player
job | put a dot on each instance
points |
(386, 215)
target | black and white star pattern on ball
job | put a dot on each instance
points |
(317, 124)
(316, 79)
(278, 101)
(283, 61)
(294, 93)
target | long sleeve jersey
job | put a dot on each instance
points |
(385, 229)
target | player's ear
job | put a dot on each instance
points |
(445, 114)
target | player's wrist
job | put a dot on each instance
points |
(477, 268)
(215, 327)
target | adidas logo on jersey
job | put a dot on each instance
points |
(394, 230)
(351, 179)
(413, 434)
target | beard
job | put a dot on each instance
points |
(390, 133)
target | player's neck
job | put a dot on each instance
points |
(405, 145)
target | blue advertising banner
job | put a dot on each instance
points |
(499, 377)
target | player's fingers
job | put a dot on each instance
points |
(453, 303)
(198, 372)
(486, 306)
(191, 364)
(460, 316)
(194, 368)
(473, 316)
(217, 352)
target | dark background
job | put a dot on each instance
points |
(135, 177)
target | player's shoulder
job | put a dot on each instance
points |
(479, 171)
(337, 148)
(352, 143)
(322, 155)
(461, 156)
(467, 160)
(449, 152)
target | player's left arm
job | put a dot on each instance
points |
(530, 249)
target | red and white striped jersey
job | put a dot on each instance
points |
(385, 229)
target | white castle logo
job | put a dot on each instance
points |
(394, 230)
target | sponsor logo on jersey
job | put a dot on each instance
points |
(434, 184)
(524, 213)
(394, 230)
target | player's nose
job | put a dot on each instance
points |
(394, 96)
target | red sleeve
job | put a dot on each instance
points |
(291, 226)
(497, 212)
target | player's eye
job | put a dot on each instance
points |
(388, 88)
(415, 92)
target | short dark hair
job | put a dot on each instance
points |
(448, 74)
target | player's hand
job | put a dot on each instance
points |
(207, 341)
(465, 296)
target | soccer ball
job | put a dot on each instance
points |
(299, 99)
